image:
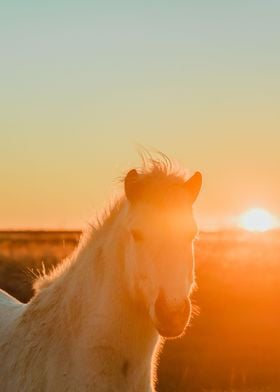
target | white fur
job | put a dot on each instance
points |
(91, 324)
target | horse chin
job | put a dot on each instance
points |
(172, 328)
(171, 332)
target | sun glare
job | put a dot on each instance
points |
(258, 219)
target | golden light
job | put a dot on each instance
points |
(258, 219)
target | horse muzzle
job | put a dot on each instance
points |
(170, 321)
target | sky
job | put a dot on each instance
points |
(84, 83)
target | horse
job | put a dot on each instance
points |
(97, 321)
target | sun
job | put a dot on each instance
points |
(258, 219)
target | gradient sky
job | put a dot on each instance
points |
(83, 82)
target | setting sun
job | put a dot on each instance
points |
(258, 219)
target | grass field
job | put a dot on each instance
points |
(232, 345)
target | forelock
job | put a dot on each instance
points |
(160, 182)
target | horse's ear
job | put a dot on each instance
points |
(131, 184)
(193, 186)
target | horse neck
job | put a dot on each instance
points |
(60, 305)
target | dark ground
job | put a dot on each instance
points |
(233, 345)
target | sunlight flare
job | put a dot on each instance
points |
(258, 219)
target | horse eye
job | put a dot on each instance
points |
(137, 235)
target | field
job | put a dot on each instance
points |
(232, 345)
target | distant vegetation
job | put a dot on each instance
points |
(24, 255)
(233, 345)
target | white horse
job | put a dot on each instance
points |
(95, 322)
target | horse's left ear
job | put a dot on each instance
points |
(193, 186)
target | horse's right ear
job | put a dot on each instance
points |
(131, 184)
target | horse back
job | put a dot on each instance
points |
(10, 308)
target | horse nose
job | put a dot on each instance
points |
(171, 315)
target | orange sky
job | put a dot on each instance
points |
(82, 86)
